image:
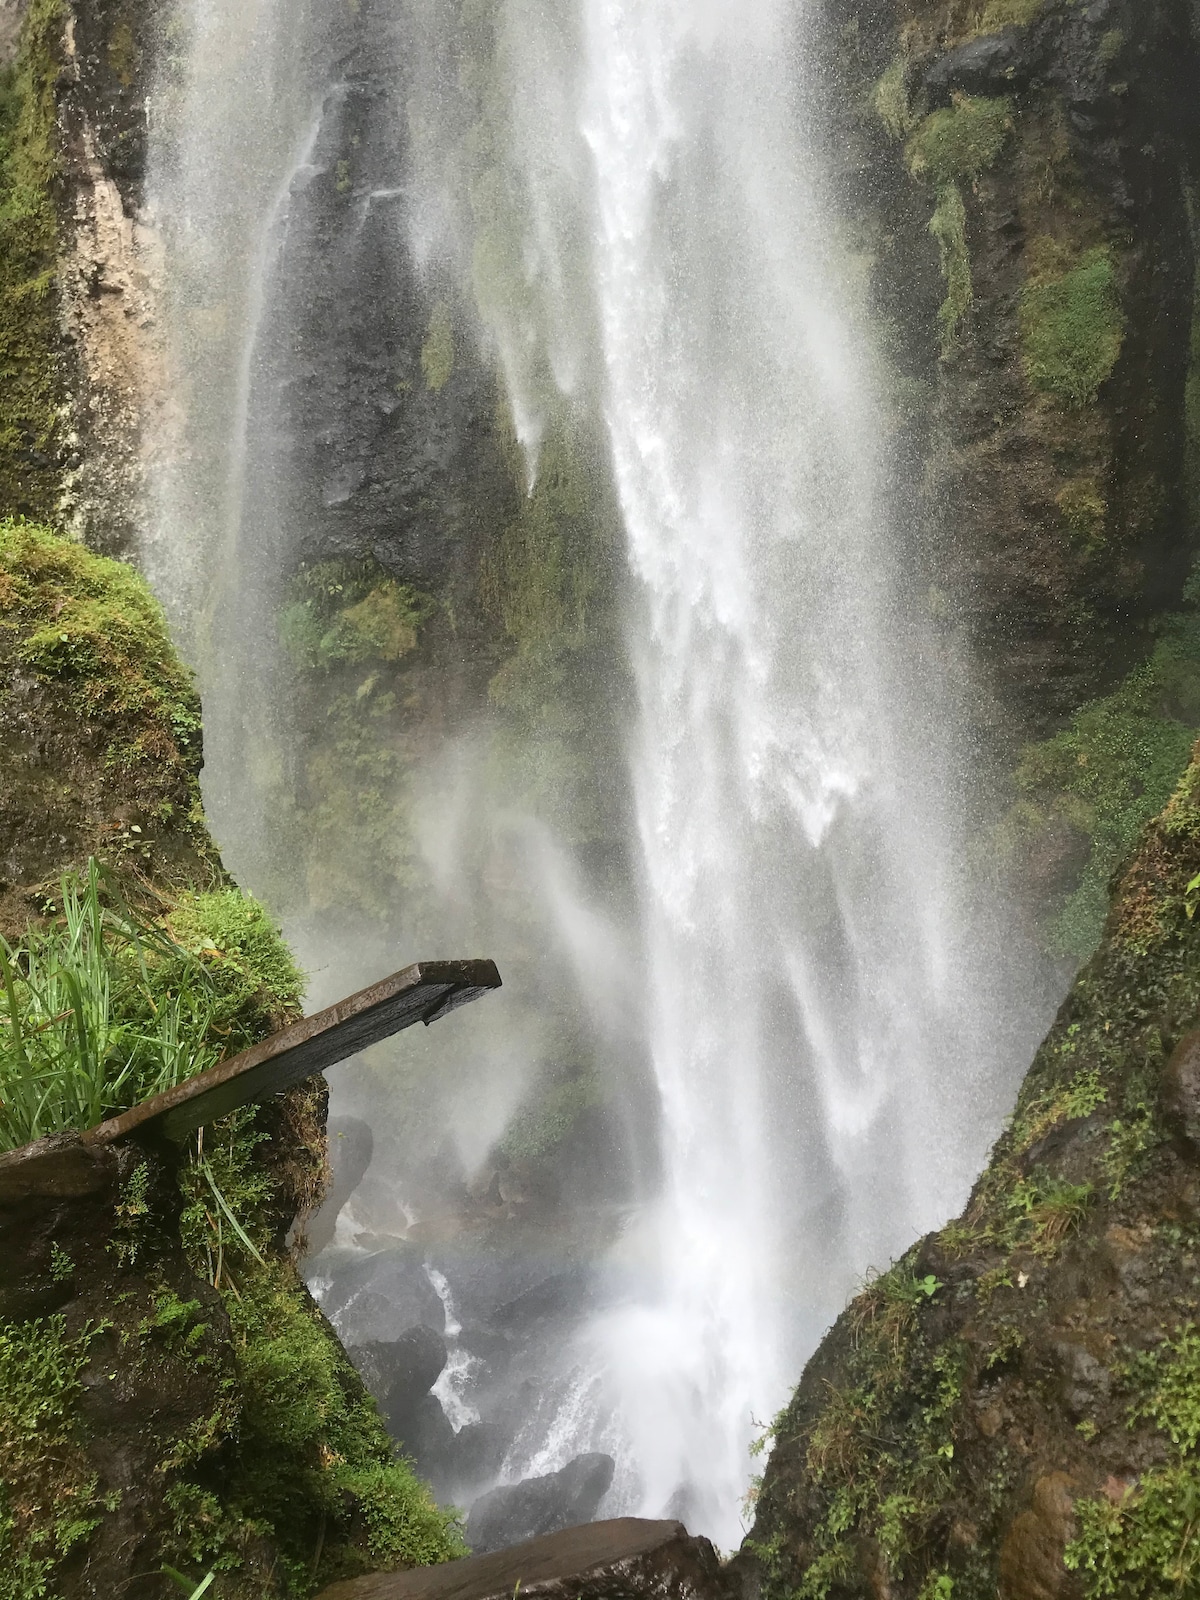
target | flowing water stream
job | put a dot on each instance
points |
(828, 1022)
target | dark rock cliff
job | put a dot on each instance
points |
(1011, 1409)
(1023, 175)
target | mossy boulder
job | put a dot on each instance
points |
(1013, 1408)
(170, 1396)
(99, 726)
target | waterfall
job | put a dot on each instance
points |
(828, 1020)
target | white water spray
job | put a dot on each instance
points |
(806, 978)
(804, 1007)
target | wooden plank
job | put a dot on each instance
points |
(618, 1560)
(421, 993)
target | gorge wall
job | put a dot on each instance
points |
(1018, 185)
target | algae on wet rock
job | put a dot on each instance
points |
(1072, 324)
(32, 387)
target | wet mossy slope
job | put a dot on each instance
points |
(170, 1396)
(1014, 1408)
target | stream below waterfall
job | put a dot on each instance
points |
(756, 1034)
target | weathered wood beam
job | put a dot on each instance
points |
(421, 993)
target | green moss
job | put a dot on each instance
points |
(890, 100)
(1106, 775)
(999, 14)
(256, 981)
(313, 1469)
(350, 612)
(948, 226)
(1147, 1543)
(30, 383)
(961, 141)
(1111, 45)
(437, 353)
(48, 1494)
(550, 1117)
(1072, 325)
(91, 626)
(952, 146)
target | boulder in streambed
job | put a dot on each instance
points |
(542, 1505)
(400, 1372)
(599, 1561)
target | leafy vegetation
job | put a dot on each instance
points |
(311, 1452)
(952, 146)
(1145, 1542)
(1072, 324)
(350, 612)
(30, 387)
(48, 1498)
(104, 1007)
(1107, 774)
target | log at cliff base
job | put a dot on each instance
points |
(598, 1561)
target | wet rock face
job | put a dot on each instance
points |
(1031, 1566)
(1181, 1089)
(377, 412)
(1049, 523)
(518, 1511)
(602, 1561)
(400, 1373)
(994, 1416)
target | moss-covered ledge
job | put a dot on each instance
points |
(170, 1396)
(1014, 1408)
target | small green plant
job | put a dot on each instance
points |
(81, 1033)
(1042, 1211)
(1146, 1544)
(105, 1007)
(1072, 324)
(959, 142)
(48, 1497)
(350, 612)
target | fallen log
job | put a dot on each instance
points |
(614, 1560)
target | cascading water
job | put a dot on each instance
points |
(802, 973)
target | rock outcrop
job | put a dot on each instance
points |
(1011, 1409)
(515, 1512)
